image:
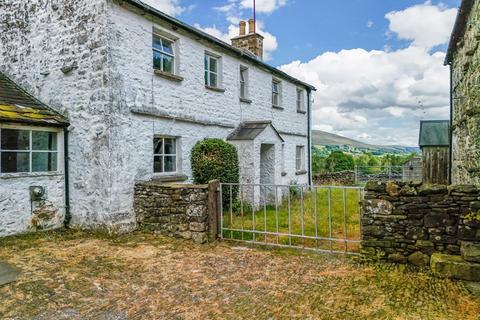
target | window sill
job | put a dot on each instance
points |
(277, 107)
(301, 172)
(170, 178)
(245, 100)
(215, 89)
(301, 111)
(168, 76)
(30, 175)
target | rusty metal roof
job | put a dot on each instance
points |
(18, 106)
(249, 130)
(435, 133)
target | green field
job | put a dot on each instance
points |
(343, 222)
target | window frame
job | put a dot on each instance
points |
(59, 150)
(300, 158)
(244, 82)
(163, 155)
(173, 55)
(207, 72)
(278, 93)
(301, 100)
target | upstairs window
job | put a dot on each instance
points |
(211, 71)
(163, 54)
(164, 155)
(300, 158)
(276, 91)
(243, 82)
(301, 100)
(28, 151)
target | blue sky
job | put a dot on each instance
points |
(377, 63)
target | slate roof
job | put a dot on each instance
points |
(18, 106)
(459, 28)
(249, 130)
(205, 36)
(434, 133)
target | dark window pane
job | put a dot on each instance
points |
(15, 139)
(206, 62)
(157, 60)
(167, 46)
(213, 65)
(44, 161)
(170, 163)
(167, 64)
(213, 80)
(15, 162)
(157, 145)
(207, 82)
(157, 42)
(42, 140)
(170, 146)
(158, 164)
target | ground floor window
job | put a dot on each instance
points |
(28, 151)
(300, 158)
(164, 154)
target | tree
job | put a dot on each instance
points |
(339, 161)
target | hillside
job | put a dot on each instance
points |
(326, 139)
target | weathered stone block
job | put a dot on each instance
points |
(377, 207)
(416, 233)
(438, 219)
(470, 251)
(392, 188)
(449, 266)
(419, 259)
(397, 258)
(376, 186)
(432, 189)
(197, 226)
(199, 237)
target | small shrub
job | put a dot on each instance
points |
(215, 159)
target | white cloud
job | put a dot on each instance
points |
(370, 23)
(263, 6)
(426, 25)
(270, 43)
(170, 7)
(376, 95)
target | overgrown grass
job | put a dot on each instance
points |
(332, 213)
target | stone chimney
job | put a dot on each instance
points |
(251, 42)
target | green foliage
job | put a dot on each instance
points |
(339, 161)
(215, 159)
(472, 217)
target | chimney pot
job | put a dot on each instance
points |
(251, 26)
(243, 27)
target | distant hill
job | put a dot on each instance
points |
(326, 139)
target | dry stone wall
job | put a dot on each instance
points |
(341, 178)
(408, 222)
(181, 211)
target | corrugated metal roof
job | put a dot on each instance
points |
(249, 130)
(179, 24)
(18, 106)
(434, 133)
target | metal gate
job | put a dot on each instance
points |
(321, 218)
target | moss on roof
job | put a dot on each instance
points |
(18, 106)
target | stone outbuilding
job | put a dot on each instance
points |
(32, 162)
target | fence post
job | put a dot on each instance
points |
(213, 210)
(356, 174)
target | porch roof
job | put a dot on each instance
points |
(18, 106)
(249, 130)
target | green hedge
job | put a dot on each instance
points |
(215, 159)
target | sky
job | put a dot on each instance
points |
(377, 64)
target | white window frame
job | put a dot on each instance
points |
(301, 100)
(163, 155)
(300, 158)
(276, 92)
(173, 55)
(244, 82)
(59, 151)
(208, 81)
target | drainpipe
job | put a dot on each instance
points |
(451, 127)
(309, 136)
(68, 215)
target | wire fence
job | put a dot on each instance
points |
(364, 174)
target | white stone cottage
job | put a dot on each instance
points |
(139, 89)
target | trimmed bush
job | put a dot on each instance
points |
(215, 159)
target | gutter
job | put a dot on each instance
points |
(450, 160)
(68, 215)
